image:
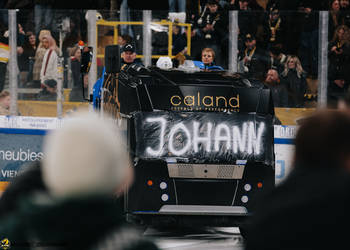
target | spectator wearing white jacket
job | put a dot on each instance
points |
(49, 71)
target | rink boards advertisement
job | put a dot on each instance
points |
(21, 139)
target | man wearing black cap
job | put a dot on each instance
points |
(253, 61)
(128, 54)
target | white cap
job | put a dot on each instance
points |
(87, 155)
(164, 62)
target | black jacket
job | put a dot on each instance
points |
(296, 87)
(29, 180)
(309, 210)
(75, 223)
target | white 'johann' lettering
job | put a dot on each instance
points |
(243, 139)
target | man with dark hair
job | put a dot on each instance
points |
(310, 208)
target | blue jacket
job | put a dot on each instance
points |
(96, 91)
(212, 67)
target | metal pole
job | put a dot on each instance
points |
(233, 41)
(92, 42)
(13, 68)
(147, 37)
(323, 60)
(60, 79)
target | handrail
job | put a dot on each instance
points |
(115, 25)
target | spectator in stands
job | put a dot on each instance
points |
(288, 12)
(277, 59)
(196, 43)
(258, 16)
(278, 90)
(39, 56)
(124, 39)
(345, 12)
(49, 71)
(4, 55)
(294, 78)
(274, 29)
(181, 6)
(5, 102)
(247, 20)
(208, 59)
(339, 64)
(344, 4)
(213, 27)
(308, 49)
(179, 40)
(76, 94)
(43, 14)
(82, 202)
(315, 195)
(335, 17)
(253, 60)
(26, 54)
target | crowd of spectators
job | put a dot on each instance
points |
(269, 32)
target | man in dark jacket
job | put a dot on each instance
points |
(310, 209)
(253, 60)
(278, 90)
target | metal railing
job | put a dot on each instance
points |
(116, 24)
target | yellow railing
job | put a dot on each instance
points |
(115, 25)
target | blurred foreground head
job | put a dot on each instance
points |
(86, 156)
(323, 140)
